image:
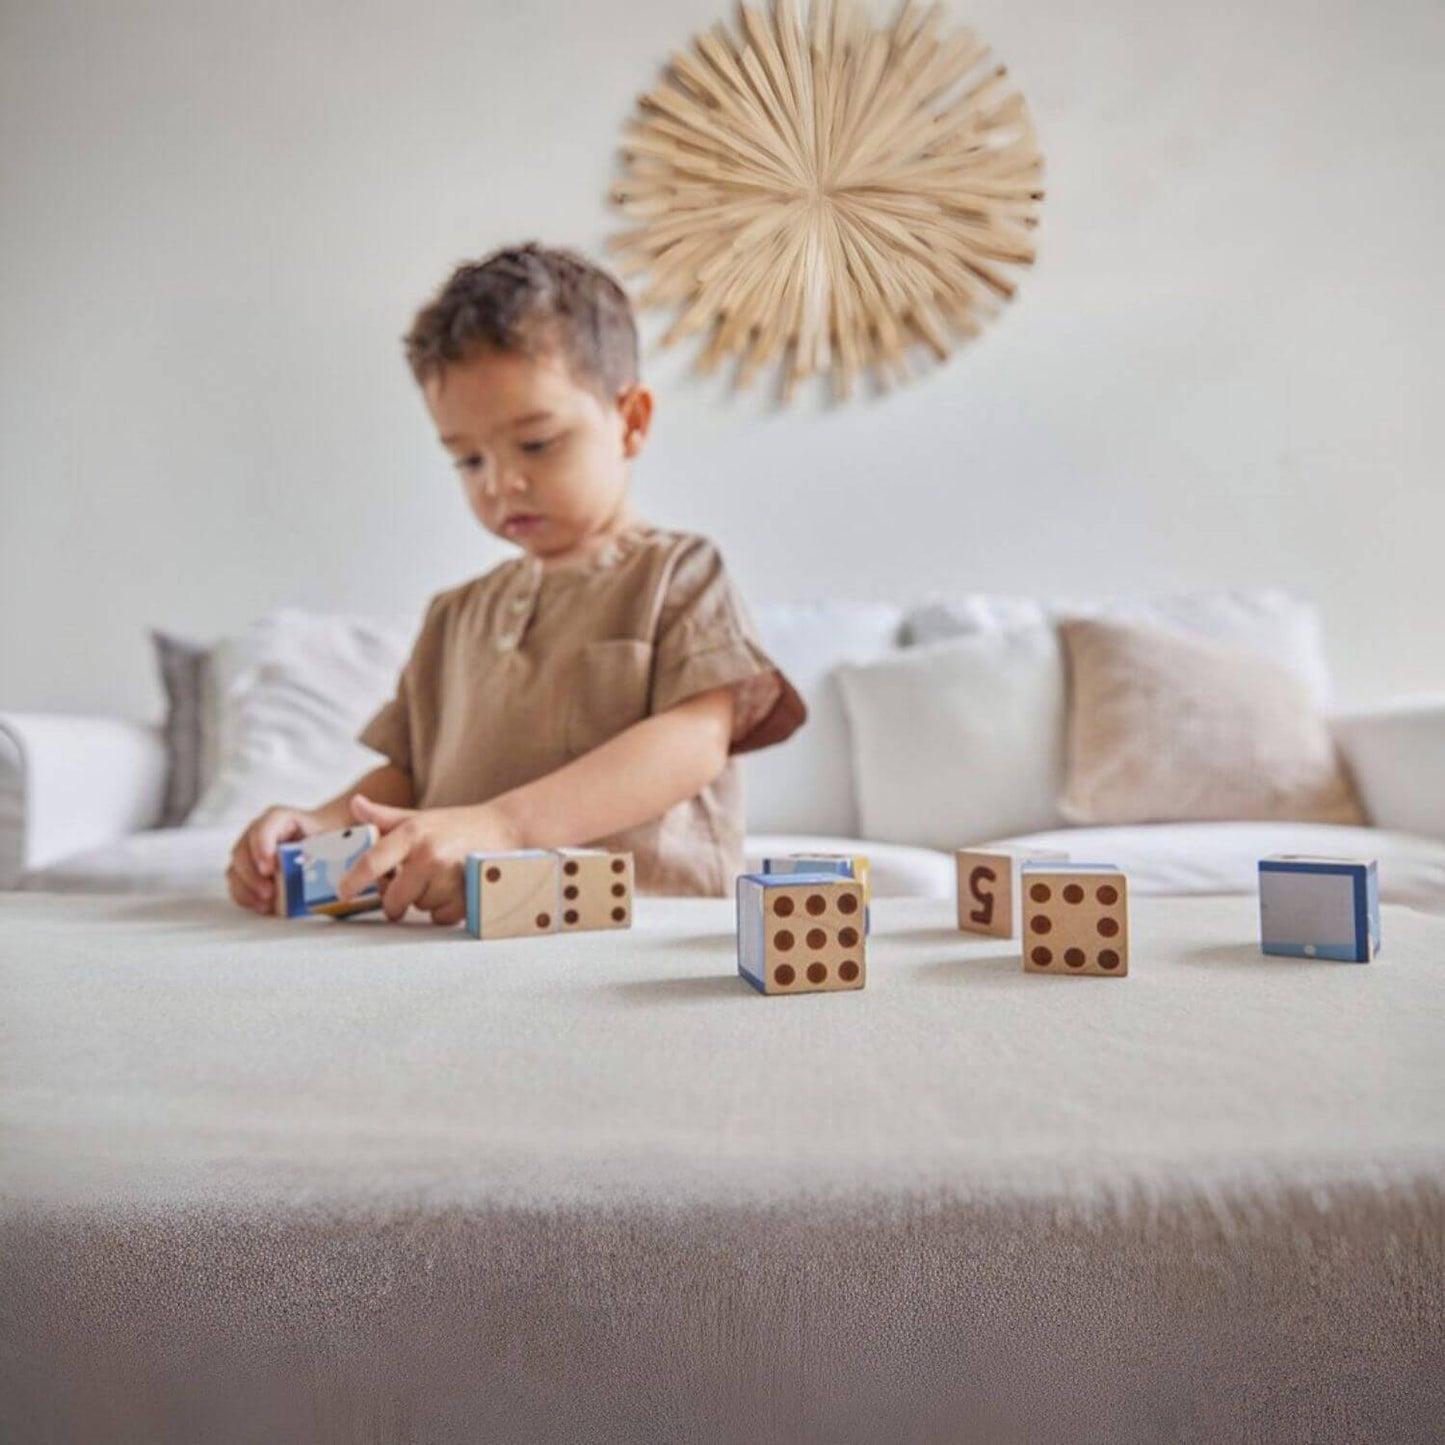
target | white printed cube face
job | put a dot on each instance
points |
(1319, 910)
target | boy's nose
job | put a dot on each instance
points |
(500, 483)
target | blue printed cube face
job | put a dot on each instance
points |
(327, 859)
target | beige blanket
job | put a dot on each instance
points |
(350, 1182)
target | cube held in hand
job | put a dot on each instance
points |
(307, 872)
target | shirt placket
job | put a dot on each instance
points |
(519, 608)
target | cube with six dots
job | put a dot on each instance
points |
(1075, 919)
(801, 933)
(596, 889)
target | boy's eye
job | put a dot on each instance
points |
(539, 445)
(468, 464)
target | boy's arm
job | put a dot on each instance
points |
(631, 778)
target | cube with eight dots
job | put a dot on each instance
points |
(1075, 919)
(801, 933)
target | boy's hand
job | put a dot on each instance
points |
(251, 876)
(428, 850)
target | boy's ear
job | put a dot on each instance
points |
(635, 404)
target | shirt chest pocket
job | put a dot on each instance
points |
(608, 691)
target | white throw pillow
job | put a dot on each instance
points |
(960, 741)
(1272, 623)
(805, 785)
(288, 697)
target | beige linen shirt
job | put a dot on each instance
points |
(519, 671)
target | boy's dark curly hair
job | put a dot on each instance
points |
(528, 300)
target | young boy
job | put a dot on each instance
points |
(592, 690)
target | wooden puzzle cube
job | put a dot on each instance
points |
(514, 895)
(845, 865)
(1075, 919)
(596, 889)
(307, 872)
(801, 933)
(988, 888)
(1319, 907)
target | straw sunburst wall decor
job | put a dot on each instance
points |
(826, 193)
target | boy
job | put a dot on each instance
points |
(592, 690)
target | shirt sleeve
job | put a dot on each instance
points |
(390, 731)
(705, 640)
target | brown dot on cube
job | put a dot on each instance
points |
(494, 875)
(570, 867)
(1039, 892)
(1108, 895)
(544, 920)
(570, 916)
(783, 906)
(619, 915)
(817, 939)
(848, 937)
(783, 940)
(1108, 959)
(1073, 894)
(619, 890)
(1109, 927)
(817, 904)
(848, 903)
(619, 865)
(570, 891)
(1074, 957)
(817, 972)
(1041, 923)
(784, 974)
(847, 970)
(1042, 957)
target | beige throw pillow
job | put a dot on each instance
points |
(1162, 728)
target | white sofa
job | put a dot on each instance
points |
(79, 796)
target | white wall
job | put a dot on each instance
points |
(218, 217)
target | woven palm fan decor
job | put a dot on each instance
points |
(827, 194)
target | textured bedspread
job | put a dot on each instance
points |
(344, 1182)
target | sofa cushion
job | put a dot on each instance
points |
(806, 784)
(960, 740)
(1224, 857)
(291, 694)
(192, 861)
(1161, 858)
(1165, 728)
(1272, 623)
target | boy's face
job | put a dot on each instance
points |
(543, 458)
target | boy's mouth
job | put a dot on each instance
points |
(522, 524)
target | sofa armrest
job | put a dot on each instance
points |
(1397, 754)
(68, 783)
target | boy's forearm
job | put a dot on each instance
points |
(630, 779)
(386, 784)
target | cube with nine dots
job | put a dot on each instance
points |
(1075, 919)
(596, 889)
(801, 933)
